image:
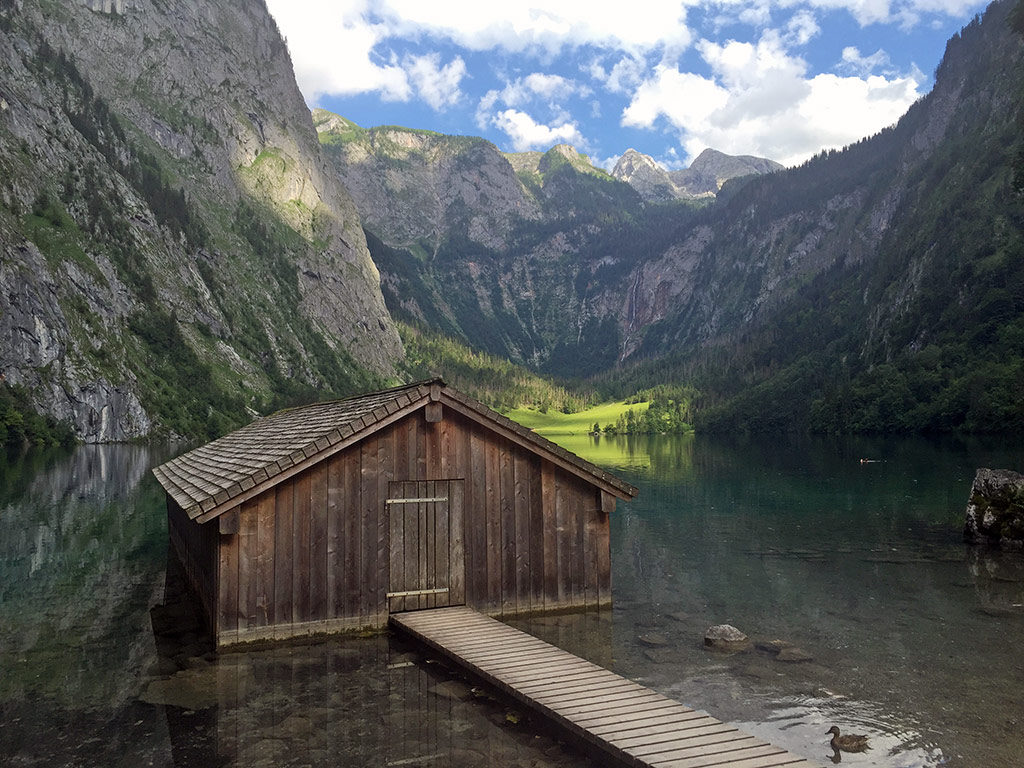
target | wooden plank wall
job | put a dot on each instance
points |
(312, 554)
(196, 547)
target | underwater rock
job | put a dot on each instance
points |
(794, 655)
(653, 640)
(725, 637)
(452, 689)
(995, 509)
(188, 689)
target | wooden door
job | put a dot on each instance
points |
(427, 553)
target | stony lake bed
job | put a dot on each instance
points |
(863, 606)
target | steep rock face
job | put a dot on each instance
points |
(165, 207)
(418, 188)
(711, 169)
(648, 178)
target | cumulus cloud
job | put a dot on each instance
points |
(333, 50)
(760, 100)
(519, 25)
(437, 85)
(542, 92)
(526, 133)
(853, 62)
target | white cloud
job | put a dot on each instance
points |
(686, 99)
(526, 133)
(854, 62)
(519, 25)
(437, 85)
(760, 100)
(332, 48)
(625, 75)
(539, 91)
(802, 28)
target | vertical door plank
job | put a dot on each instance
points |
(411, 535)
(421, 549)
(396, 572)
(442, 538)
(430, 548)
(457, 544)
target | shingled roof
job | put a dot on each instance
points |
(215, 477)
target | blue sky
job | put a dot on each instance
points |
(669, 78)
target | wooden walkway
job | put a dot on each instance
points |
(633, 724)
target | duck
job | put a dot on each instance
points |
(849, 743)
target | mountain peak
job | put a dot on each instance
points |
(702, 179)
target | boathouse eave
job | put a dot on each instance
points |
(204, 517)
(205, 499)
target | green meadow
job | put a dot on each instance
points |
(580, 423)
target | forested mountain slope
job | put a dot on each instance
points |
(879, 288)
(173, 257)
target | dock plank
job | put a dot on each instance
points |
(625, 720)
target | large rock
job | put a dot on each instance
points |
(995, 510)
(725, 637)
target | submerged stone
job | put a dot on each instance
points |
(452, 689)
(653, 640)
(995, 509)
(794, 655)
(725, 637)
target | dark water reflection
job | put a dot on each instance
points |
(912, 637)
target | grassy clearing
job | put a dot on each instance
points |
(580, 423)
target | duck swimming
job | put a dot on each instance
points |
(848, 743)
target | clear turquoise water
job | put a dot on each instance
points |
(915, 638)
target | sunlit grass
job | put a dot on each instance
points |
(557, 423)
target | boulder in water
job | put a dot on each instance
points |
(725, 637)
(995, 510)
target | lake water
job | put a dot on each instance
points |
(906, 634)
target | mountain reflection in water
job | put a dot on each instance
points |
(903, 632)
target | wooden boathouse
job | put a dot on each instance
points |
(335, 515)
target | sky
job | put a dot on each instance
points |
(782, 79)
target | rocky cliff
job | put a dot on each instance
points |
(175, 256)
